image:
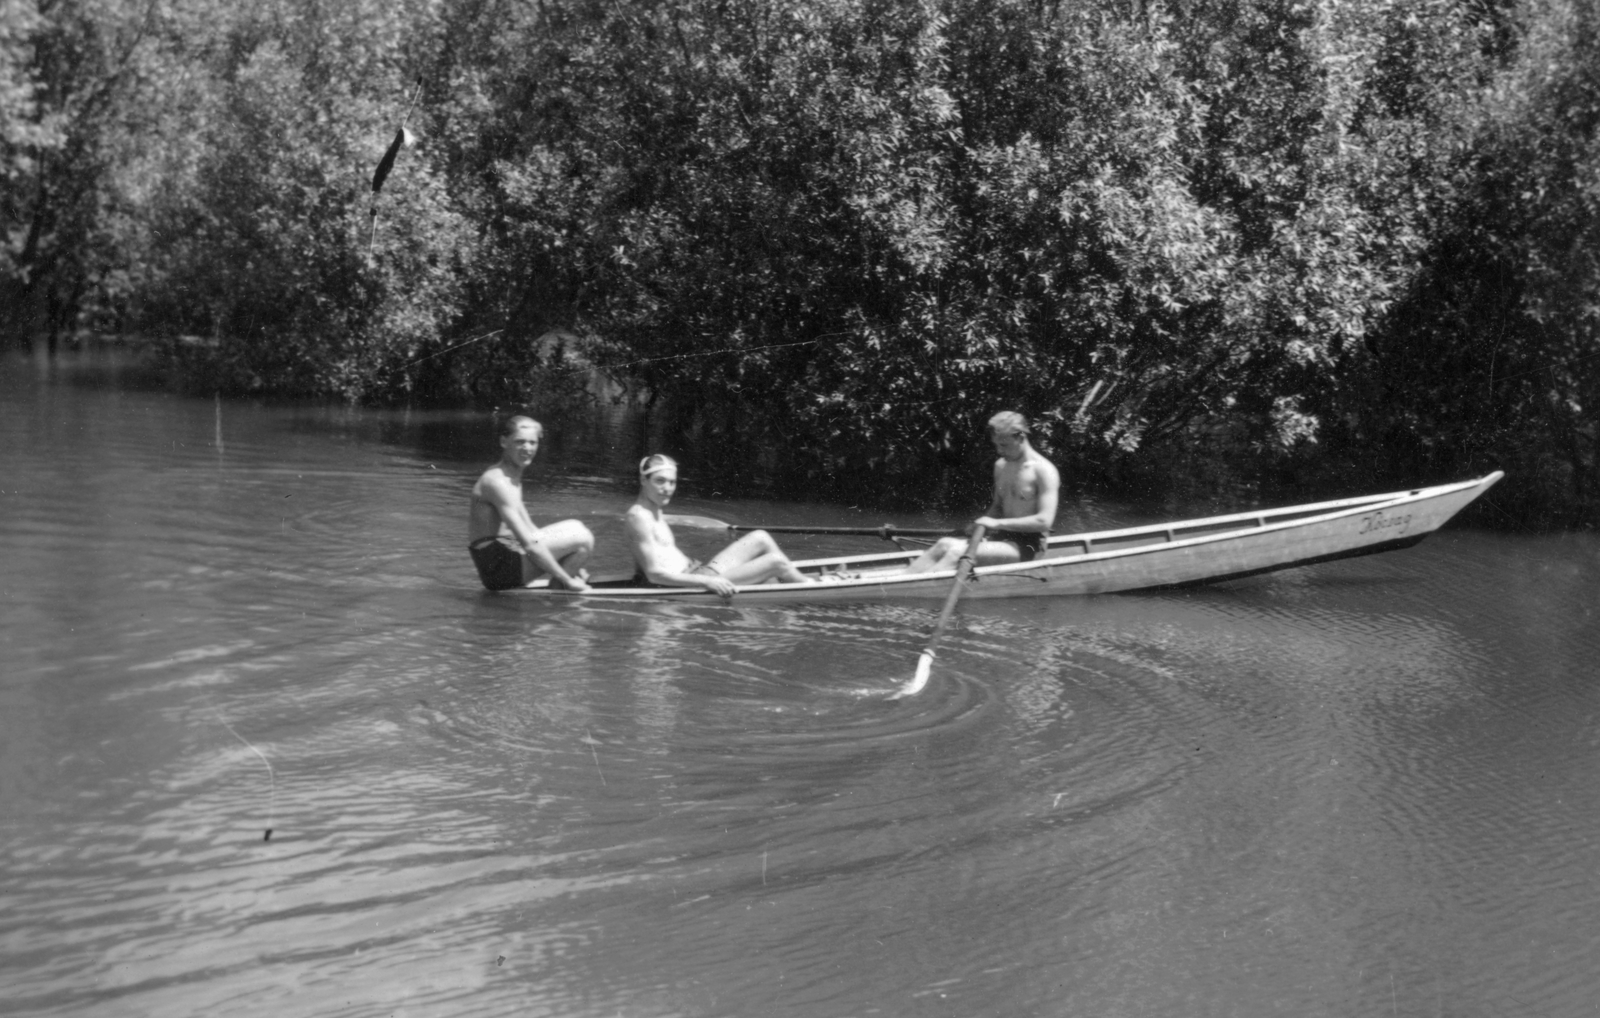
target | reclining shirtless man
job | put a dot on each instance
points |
(1022, 511)
(753, 558)
(507, 548)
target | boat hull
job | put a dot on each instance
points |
(1184, 553)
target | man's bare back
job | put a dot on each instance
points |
(484, 520)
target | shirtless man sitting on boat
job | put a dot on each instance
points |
(1022, 511)
(753, 558)
(507, 548)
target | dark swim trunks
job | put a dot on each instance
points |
(499, 562)
(1030, 545)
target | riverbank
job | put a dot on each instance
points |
(1162, 480)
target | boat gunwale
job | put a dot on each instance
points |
(1304, 515)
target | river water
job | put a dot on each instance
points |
(1366, 788)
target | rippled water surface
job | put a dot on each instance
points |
(1367, 788)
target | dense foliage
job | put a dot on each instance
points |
(827, 238)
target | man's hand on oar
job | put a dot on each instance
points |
(925, 661)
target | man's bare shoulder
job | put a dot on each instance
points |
(495, 481)
(638, 517)
(1043, 466)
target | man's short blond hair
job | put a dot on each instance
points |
(509, 425)
(1008, 422)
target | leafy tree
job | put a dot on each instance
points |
(271, 251)
(71, 76)
(825, 239)
(1492, 358)
(851, 229)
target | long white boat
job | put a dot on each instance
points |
(1177, 554)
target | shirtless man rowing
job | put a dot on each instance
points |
(1022, 511)
(753, 558)
(507, 548)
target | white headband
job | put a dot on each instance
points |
(646, 470)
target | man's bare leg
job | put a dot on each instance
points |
(997, 553)
(568, 542)
(947, 551)
(756, 558)
(944, 554)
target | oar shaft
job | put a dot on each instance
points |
(888, 530)
(963, 569)
(925, 659)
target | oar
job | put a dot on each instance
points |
(925, 662)
(887, 531)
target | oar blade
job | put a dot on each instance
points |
(919, 680)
